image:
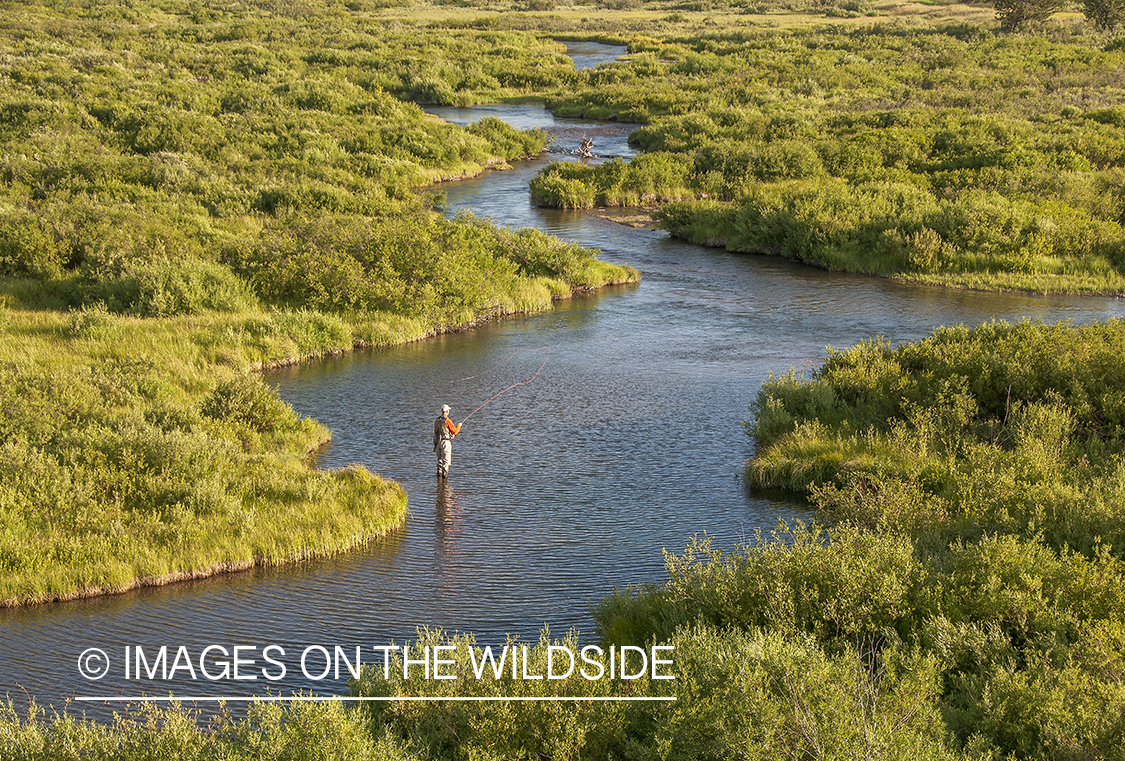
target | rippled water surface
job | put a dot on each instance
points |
(626, 443)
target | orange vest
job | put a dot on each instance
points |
(445, 432)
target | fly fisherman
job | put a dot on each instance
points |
(444, 431)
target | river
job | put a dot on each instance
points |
(627, 443)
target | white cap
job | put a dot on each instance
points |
(445, 408)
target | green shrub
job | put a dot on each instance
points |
(706, 222)
(506, 140)
(164, 289)
(28, 247)
(564, 185)
(175, 731)
(1001, 428)
(248, 401)
(94, 322)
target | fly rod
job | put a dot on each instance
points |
(521, 383)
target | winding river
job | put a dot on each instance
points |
(627, 443)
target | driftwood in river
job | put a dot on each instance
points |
(585, 150)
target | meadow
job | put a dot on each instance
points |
(190, 193)
(952, 155)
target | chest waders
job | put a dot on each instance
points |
(443, 446)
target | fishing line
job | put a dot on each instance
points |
(521, 383)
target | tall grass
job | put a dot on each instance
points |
(978, 239)
(132, 455)
(648, 179)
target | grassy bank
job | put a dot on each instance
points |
(142, 450)
(1003, 429)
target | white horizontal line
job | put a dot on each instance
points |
(343, 698)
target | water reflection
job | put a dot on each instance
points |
(448, 514)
